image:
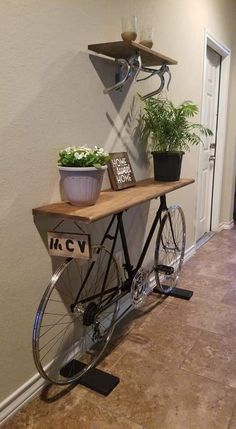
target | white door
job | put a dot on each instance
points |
(208, 149)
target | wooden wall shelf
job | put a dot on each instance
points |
(111, 202)
(126, 50)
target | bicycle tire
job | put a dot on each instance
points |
(170, 248)
(68, 338)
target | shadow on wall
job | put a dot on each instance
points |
(69, 109)
(130, 134)
(127, 133)
(59, 115)
(107, 70)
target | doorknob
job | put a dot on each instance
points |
(212, 158)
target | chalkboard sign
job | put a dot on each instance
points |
(120, 171)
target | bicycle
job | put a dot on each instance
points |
(78, 311)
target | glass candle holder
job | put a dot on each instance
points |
(129, 28)
(146, 37)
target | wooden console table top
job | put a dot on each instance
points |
(111, 202)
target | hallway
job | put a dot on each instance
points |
(176, 362)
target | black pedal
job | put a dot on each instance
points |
(165, 269)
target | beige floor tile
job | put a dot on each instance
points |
(220, 244)
(204, 287)
(54, 401)
(213, 265)
(136, 317)
(232, 423)
(157, 397)
(160, 341)
(85, 415)
(213, 356)
(216, 258)
(209, 315)
(230, 297)
(134, 320)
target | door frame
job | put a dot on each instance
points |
(225, 53)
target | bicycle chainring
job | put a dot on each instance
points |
(139, 287)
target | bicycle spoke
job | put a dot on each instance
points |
(52, 326)
(82, 330)
(170, 248)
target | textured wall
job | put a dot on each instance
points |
(51, 96)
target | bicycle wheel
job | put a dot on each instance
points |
(76, 317)
(170, 247)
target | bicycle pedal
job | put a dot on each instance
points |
(165, 269)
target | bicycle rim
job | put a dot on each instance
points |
(170, 248)
(70, 335)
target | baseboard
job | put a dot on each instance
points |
(226, 225)
(189, 252)
(35, 384)
(204, 239)
(21, 396)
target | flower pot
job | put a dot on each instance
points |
(82, 185)
(167, 165)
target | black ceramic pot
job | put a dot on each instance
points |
(167, 165)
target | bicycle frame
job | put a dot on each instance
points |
(127, 265)
(86, 297)
(130, 270)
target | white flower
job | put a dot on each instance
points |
(78, 155)
(83, 154)
(68, 149)
(84, 149)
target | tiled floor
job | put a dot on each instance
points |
(176, 362)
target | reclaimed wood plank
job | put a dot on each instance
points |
(126, 50)
(111, 202)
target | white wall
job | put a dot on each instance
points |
(51, 96)
(230, 152)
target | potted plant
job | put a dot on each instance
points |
(172, 132)
(81, 170)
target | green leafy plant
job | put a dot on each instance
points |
(82, 156)
(169, 125)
